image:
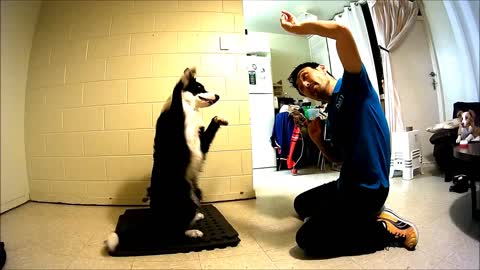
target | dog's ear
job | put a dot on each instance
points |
(193, 72)
(188, 74)
(472, 113)
(459, 113)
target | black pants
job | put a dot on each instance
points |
(341, 222)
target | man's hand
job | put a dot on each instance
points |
(346, 47)
(299, 119)
(290, 23)
(316, 133)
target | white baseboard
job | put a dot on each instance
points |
(14, 203)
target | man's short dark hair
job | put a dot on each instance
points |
(293, 76)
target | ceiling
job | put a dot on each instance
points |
(264, 16)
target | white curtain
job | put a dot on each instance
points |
(352, 17)
(464, 21)
(392, 21)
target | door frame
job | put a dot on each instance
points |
(440, 98)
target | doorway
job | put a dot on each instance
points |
(417, 85)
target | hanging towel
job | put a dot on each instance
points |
(282, 133)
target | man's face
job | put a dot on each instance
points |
(312, 83)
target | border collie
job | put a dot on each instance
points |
(180, 145)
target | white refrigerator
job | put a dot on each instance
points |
(262, 114)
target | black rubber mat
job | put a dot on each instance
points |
(217, 233)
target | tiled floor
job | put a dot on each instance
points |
(50, 236)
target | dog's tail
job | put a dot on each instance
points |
(112, 241)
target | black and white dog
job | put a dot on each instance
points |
(180, 145)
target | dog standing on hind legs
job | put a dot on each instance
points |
(180, 145)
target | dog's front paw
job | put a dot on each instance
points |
(458, 140)
(220, 121)
(198, 216)
(194, 233)
(112, 241)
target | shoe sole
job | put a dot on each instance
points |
(402, 220)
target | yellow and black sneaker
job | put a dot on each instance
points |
(400, 230)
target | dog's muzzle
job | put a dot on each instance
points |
(210, 101)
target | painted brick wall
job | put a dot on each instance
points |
(99, 74)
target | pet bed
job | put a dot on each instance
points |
(217, 233)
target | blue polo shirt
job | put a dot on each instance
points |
(359, 132)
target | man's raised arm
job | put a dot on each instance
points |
(346, 47)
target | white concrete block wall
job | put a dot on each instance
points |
(99, 74)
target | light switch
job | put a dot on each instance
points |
(226, 42)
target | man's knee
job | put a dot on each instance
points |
(313, 244)
(302, 239)
(299, 206)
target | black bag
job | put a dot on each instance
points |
(460, 184)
